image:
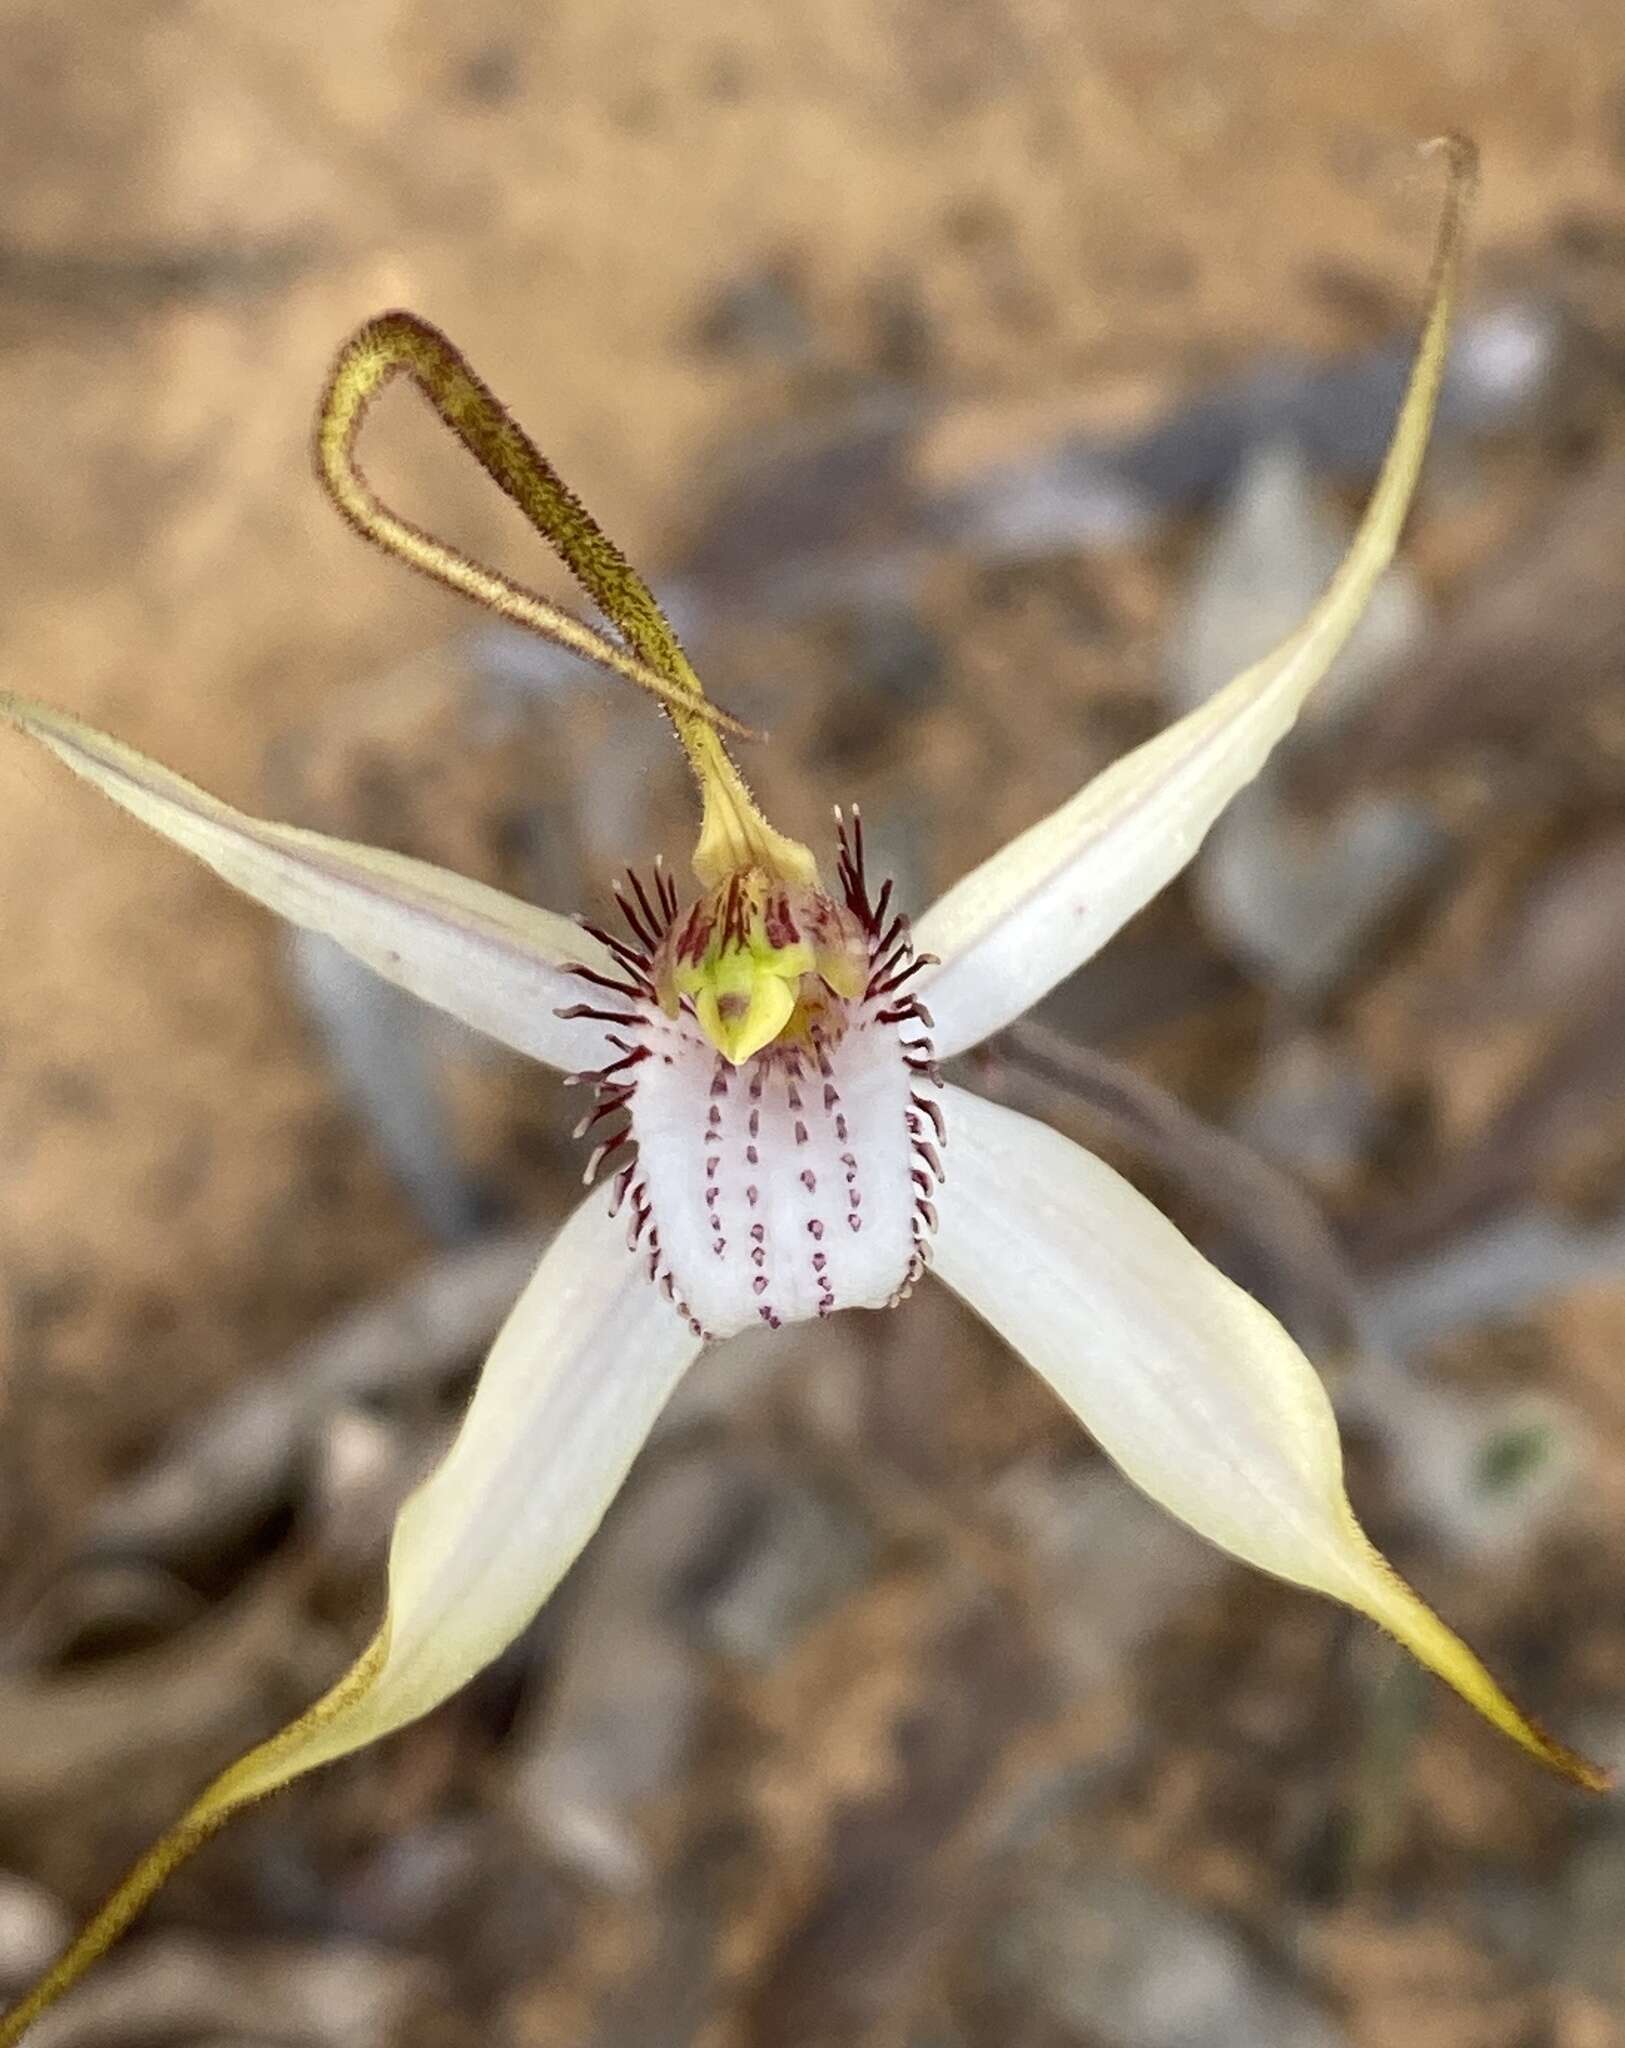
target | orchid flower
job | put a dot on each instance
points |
(760, 1053)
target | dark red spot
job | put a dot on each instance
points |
(777, 922)
(695, 936)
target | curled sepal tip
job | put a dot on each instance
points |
(401, 344)
(733, 834)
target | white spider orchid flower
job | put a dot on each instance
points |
(763, 1057)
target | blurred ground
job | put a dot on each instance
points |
(880, 1713)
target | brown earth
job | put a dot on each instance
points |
(663, 233)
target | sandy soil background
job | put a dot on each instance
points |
(933, 1739)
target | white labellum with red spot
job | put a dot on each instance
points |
(798, 1181)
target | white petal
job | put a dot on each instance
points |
(572, 1387)
(496, 963)
(1048, 901)
(570, 1391)
(1184, 1380)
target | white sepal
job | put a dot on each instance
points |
(572, 1387)
(1185, 1382)
(1045, 903)
(496, 963)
